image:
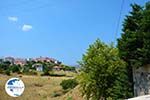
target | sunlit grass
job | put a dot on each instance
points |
(36, 87)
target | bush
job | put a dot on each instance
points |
(7, 72)
(30, 73)
(57, 75)
(15, 68)
(69, 84)
(45, 73)
(25, 69)
(69, 68)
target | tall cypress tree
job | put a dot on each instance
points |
(134, 44)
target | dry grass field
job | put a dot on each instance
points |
(37, 88)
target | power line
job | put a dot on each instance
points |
(119, 18)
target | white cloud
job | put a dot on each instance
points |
(26, 27)
(13, 18)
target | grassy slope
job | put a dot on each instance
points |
(36, 88)
(75, 94)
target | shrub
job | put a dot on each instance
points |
(7, 72)
(25, 69)
(30, 73)
(15, 68)
(46, 72)
(69, 84)
(57, 75)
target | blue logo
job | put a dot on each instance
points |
(14, 87)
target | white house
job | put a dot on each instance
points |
(39, 67)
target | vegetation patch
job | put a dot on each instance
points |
(69, 84)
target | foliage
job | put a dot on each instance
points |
(7, 68)
(134, 44)
(7, 72)
(5, 65)
(30, 72)
(69, 84)
(28, 68)
(15, 68)
(57, 75)
(48, 66)
(25, 69)
(28, 65)
(103, 73)
(46, 71)
(68, 68)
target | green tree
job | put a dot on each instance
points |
(15, 68)
(103, 73)
(46, 70)
(68, 68)
(131, 39)
(29, 65)
(134, 44)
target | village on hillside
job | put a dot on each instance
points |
(47, 77)
(32, 65)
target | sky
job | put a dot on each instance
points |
(60, 29)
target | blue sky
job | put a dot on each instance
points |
(62, 29)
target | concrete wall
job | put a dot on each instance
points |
(141, 78)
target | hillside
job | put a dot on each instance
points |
(39, 88)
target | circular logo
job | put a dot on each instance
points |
(14, 87)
